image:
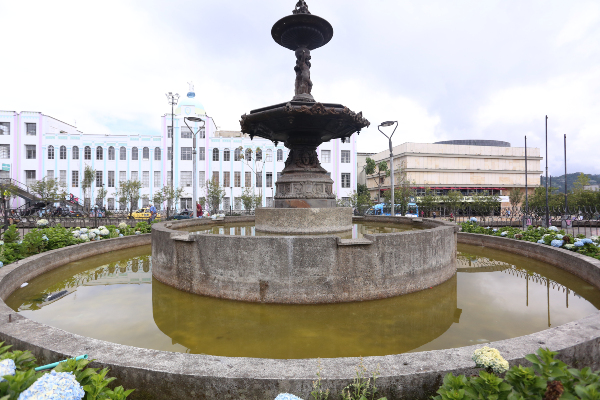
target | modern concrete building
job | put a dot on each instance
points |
(34, 146)
(470, 166)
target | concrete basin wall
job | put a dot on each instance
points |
(164, 375)
(304, 269)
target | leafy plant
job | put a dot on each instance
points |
(318, 393)
(362, 387)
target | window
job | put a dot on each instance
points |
(75, 153)
(248, 155)
(157, 154)
(201, 178)
(99, 153)
(30, 177)
(122, 205)
(226, 155)
(63, 152)
(269, 157)
(258, 180)
(237, 179)
(238, 203)
(145, 201)
(111, 179)
(111, 203)
(278, 176)
(202, 153)
(63, 176)
(215, 154)
(4, 151)
(122, 176)
(169, 153)
(215, 177)
(134, 154)
(134, 176)
(30, 152)
(247, 179)
(31, 129)
(50, 152)
(345, 180)
(87, 153)
(202, 133)
(4, 128)
(50, 174)
(123, 154)
(157, 179)
(346, 156)
(169, 177)
(269, 202)
(145, 179)
(279, 155)
(186, 133)
(346, 202)
(111, 153)
(186, 178)
(186, 153)
(325, 156)
(146, 153)
(74, 179)
(169, 131)
(269, 179)
(226, 178)
(258, 154)
(225, 203)
(99, 180)
(186, 203)
(237, 155)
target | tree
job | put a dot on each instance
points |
(256, 162)
(361, 199)
(249, 199)
(48, 190)
(516, 198)
(102, 193)
(214, 195)
(158, 198)
(171, 195)
(403, 190)
(428, 202)
(581, 182)
(129, 192)
(89, 176)
(381, 170)
(453, 201)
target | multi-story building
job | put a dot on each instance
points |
(469, 166)
(34, 146)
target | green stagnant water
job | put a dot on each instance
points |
(494, 296)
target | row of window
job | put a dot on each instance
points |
(30, 128)
(186, 178)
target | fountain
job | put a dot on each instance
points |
(304, 191)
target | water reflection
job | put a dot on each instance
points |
(494, 296)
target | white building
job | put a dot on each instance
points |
(34, 146)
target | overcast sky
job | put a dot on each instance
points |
(462, 69)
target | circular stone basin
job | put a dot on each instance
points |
(494, 295)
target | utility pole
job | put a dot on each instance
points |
(526, 187)
(547, 207)
(173, 99)
(390, 123)
(566, 199)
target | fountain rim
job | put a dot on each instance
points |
(419, 372)
(308, 20)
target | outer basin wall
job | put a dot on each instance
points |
(304, 269)
(159, 375)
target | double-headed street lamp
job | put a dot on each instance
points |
(201, 124)
(385, 124)
(173, 99)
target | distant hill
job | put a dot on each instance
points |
(559, 181)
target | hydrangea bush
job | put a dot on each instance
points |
(490, 359)
(551, 237)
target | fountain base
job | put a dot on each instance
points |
(303, 221)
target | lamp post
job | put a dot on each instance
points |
(547, 208)
(201, 124)
(385, 124)
(173, 99)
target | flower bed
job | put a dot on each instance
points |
(551, 236)
(13, 248)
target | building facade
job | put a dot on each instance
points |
(34, 146)
(473, 167)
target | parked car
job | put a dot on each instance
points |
(184, 215)
(144, 214)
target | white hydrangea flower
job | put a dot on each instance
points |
(104, 232)
(101, 227)
(84, 237)
(42, 222)
(55, 385)
(91, 235)
(83, 230)
(490, 358)
(7, 367)
(122, 225)
(287, 396)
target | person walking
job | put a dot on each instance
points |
(152, 213)
(199, 210)
(434, 215)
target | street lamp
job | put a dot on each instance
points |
(201, 124)
(173, 99)
(386, 124)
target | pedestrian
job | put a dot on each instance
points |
(199, 210)
(152, 213)
(434, 215)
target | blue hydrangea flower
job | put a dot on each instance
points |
(557, 243)
(553, 229)
(541, 241)
(55, 385)
(120, 235)
(1, 242)
(1, 264)
(587, 241)
(287, 396)
(569, 246)
(578, 244)
(495, 230)
(7, 367)
(559, 236)
(138, 232)
(473, 219)
(504, 233)
(45, 237)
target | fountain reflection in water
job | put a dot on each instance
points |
(494, 296)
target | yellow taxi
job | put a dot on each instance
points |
(144, 214)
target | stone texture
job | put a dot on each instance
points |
(303, 221)
(305, 269)
(159, 375)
